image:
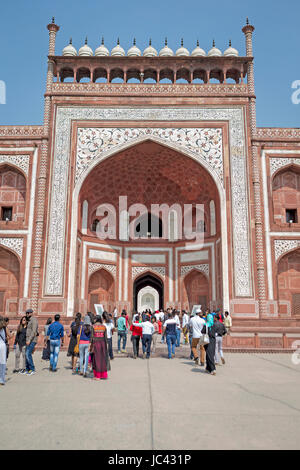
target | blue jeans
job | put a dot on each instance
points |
(2, 373)
(171, 342)
(110, 348)
(84, 357)
(178, 333)
(146, 344)
(54, 351)
(28, 354)
(122, 335)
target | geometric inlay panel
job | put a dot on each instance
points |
(96, 266)
(204, 268)
(137, 270)
(20, 161)
(283, 246)
(277, 163)
(15, 244)
(92, 141)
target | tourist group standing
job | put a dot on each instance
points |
(91, 339)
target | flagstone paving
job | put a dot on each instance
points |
(252, 403)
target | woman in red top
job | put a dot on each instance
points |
(136, 336)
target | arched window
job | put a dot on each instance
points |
(286, 196)
(94, 225)
(148, 226)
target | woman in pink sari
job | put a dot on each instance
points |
(100, 357)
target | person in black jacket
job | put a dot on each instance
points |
(210, 348)
(20, 345)
(220, 332)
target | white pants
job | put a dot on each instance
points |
(218, 351)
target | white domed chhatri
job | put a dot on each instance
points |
(198, 52)
(118, 51)
(85, 50)
(166, 51)
(231, 51)
(69, 50)
(182, 51)
(102, 51)
(134, 51)
(214, 52)
(150, 51)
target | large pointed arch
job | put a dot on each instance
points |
(288, 283)
(183, 152)
(9, 281)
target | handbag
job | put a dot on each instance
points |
(204, 339)
(76, 347)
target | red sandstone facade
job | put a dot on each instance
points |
(176, 143)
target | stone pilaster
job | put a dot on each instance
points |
(256, 179)
(42, 179)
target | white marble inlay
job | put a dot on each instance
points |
(239, 191)
(194, 256)
(148, 258)
(104, 255)
(15, 244)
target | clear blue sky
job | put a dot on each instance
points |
(24, 43)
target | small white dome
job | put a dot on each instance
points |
(231, 51)
(150, 51)
(198, 52)
(118, 51)
(182, 51)
(69, 50)
(166, 51)
(214, 52)
(85, 50)
(134, 51)
(102, 51)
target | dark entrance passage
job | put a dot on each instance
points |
(144, 281)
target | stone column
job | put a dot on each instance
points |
(256, 177)
(42, 178)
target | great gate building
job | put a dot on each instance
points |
(112, 128)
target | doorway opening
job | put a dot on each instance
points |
(148, 293)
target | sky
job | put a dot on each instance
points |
(24, 40)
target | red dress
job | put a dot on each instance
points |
(100, 360)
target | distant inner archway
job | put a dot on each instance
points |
(155, 285)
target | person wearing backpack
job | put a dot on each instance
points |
(75, 325)
(220, 332)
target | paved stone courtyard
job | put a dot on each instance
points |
(252, 403)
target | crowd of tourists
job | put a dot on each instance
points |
(90, 339)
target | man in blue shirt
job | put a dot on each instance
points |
(122, 332)
(55, 334)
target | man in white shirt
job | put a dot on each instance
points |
(197, 323)
(115, 316)
(157, 315)
(178, 328)
(147, 332)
